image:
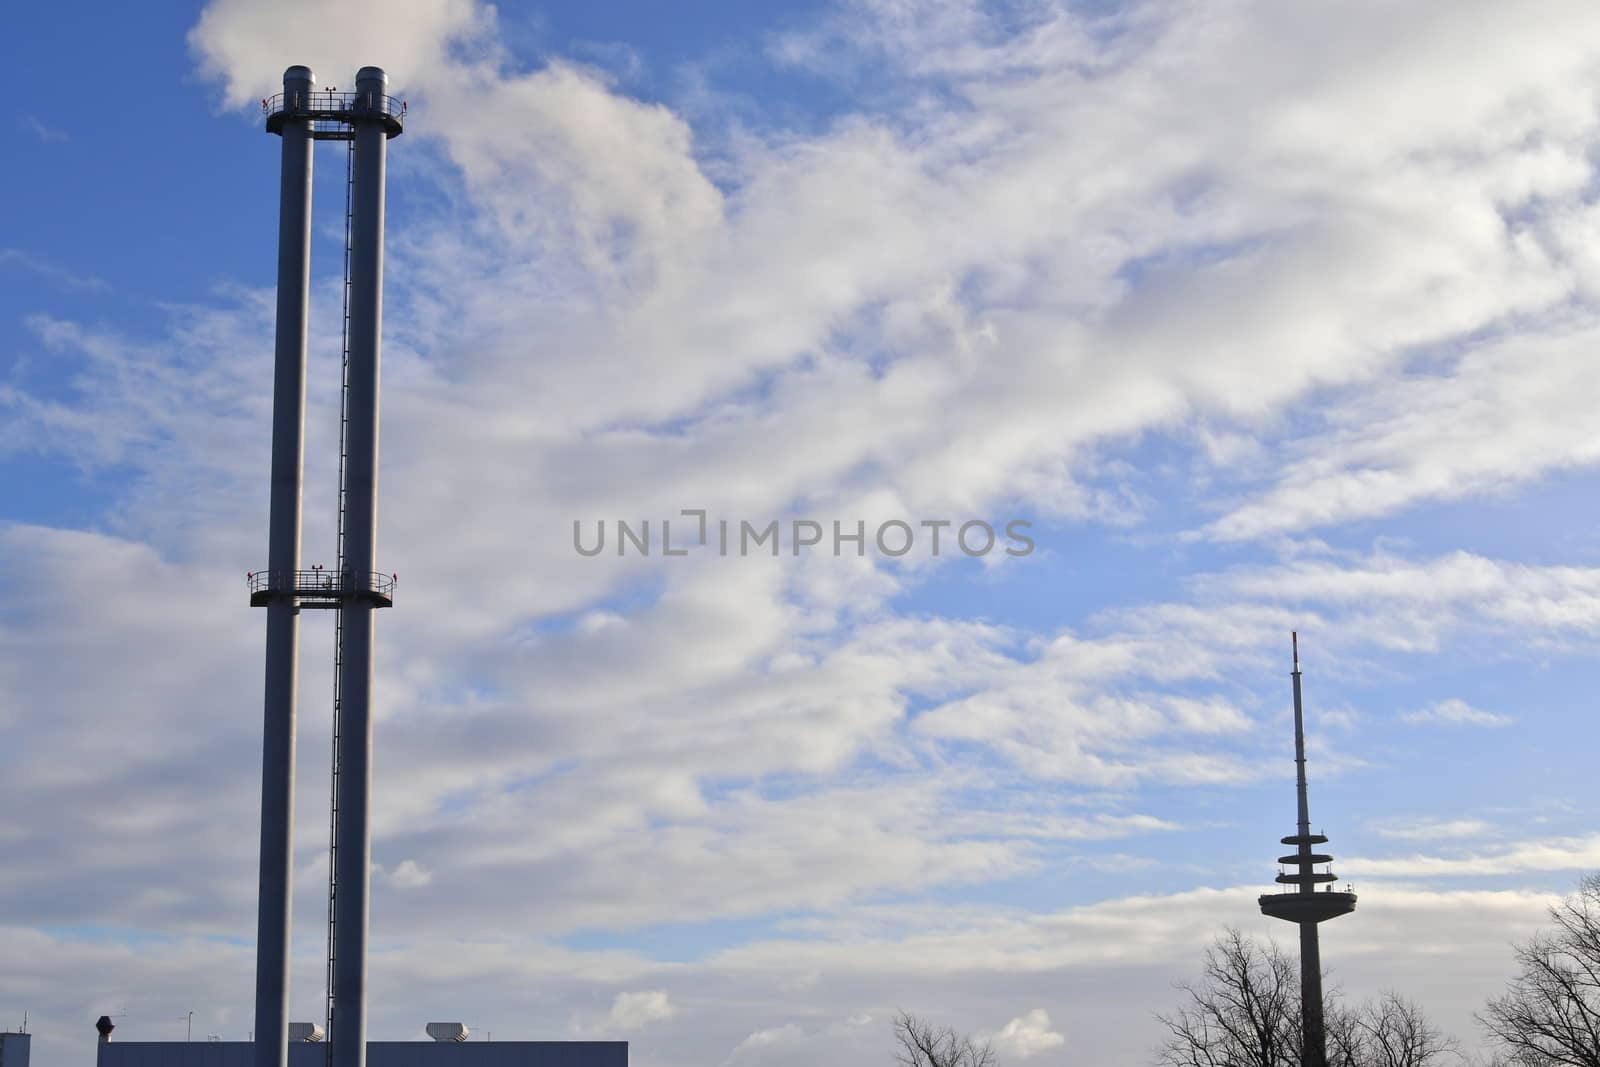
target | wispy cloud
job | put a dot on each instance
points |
(1478, 425)
(1541, 854)
(45, 133)
(1455, 712)
(1430, 829)
(44, 268)
(787, 1034)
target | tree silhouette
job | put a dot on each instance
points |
(1550, 1013)
(922, 1044)
(1388, 1032)
(1245, 1012)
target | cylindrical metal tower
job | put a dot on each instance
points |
(283, 557)
(361, 540)
(1307, 906)
(366, 119)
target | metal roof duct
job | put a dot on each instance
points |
(306, 1032)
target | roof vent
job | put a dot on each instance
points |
(448, 1031)
(309, 1033)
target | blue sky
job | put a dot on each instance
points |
(1264, 322)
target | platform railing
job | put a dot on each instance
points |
(334, 114)
(320, 584)
(327, 100)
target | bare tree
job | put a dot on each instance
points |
(1392, 1032)
(1550, 1013)
(922, 1044)
(1342, 1026)
(1244, 1012)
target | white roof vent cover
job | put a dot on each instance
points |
(448, 1031)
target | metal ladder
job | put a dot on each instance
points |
(338, 615)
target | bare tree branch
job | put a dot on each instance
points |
(1549, 1015)
(1245, 1012)
(923, 1044)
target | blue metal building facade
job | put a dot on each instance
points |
(379, 1054)
(14, 1049)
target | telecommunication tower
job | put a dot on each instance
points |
(1305, 905)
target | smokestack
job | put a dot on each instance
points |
(105, 1026)
(370, 121)
(365, 119)
(283, 562)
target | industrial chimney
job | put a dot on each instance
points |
(105, 1026)
(364, 120)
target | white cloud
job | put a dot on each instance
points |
(866, 216)
(787, 1034)
(633, 1010)
(1494, 419)
(1536, 854)
(1027, 1036)
(1415, 603)
(1108, 966)
(1456, 712)
(51, 271)
(46, 133)
(408, 874)
(238, 44)
(1430, 829)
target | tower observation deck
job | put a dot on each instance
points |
(1306, 905)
